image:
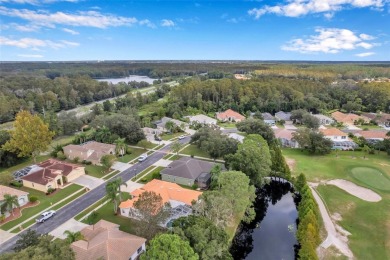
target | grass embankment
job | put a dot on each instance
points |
(368, 222)
(44, 202)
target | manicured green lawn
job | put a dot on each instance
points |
(134, 154)
(45, 202)
(146, 145)
(227, 125)
(368, 222)
(192, 149)
(167, 136)
(149, 176)
(95, 171)
(372, 177)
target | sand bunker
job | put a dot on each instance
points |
(355, 190)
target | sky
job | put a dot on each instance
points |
(72, 30)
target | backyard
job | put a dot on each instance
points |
(368, 222)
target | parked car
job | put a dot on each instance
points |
(45, 216)
(157, 138)
(182, 137)
(143, 157)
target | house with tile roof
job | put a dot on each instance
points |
(160, 124)
(230, 116)
(90, 151)
(339, 138)
(268, 119)
(348, 119)
(52, 174)
(105, 241)
(373, 135)
(324, 120)
(188, 171)
(281, 115)
(21, 195)
(172, 193)
(285, 138)
(202, 119)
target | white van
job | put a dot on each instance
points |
(143, 157)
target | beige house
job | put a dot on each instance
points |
(105, 241)
(52, 174)
(90, 151)
(22, 195)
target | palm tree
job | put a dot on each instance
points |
(111, 194)
(118, 183)
(103, 134)
(82, 137)
(169, 126)
(73, 236)
(120, 146)
(10, 202)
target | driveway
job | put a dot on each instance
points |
(88, 181)
(131, 186)
(5, 235)
(120, 166)
(71, 225)
(162, 163)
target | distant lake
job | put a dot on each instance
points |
(271, 235)
(128, 79)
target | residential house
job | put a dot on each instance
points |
(373, 135)
(268, 119)
(52, 174)
(237, 137)
(383, 120)
(370, 116)
(90, 151)
(186, 171)
(160, 124)
(202, 119)
(22, 197)
(105, 241)
(179, 199)
(324, 120)
(283, 116)
(285, 138)
(151, 131)
(348, 119)
(340, 139)
(230, 116)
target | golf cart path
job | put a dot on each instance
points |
(336, 237)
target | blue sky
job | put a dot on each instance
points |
(328, 30)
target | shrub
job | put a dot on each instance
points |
(88, 162)
(33, 199)
(76, 159)
(192, 155)
(61, 155)
(156, 175)
(16, 184)
(128, 150)
(194, 186)
(50, 190)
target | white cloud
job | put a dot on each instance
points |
(329, 40)
(167, 23)
(36, 2)
(73, 32)
(147, 23)
(365, 54)
(296, 8)
(21, 28)
(35, 44)
(36, 56)
(89, 18)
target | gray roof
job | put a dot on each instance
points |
(267, 116)
(323, 117)
(164, 120)
(286, 116)
(188, 168)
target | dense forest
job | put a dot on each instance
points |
(212, 87)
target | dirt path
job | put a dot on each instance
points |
(355, 190)
(336, 236)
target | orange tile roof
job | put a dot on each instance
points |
(373, 134)
(11, 191)
(230, 114)
(167, 191)
(332, 132)
(347, 118)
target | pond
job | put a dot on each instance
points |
(271, 235)
(128, 79)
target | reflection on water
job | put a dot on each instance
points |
(272, 234)
(128, 79)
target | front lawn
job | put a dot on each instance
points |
(192, 149)
(135, 152)
(226, 125)
(167, 136)
(95, 171)
(44, 202)
(150, 176)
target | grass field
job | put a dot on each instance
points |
(95, 171)
(368, 222)
(134, 154)
(166, 136)
(192, 149)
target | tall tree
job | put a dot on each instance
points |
(118, 182)
(207, 240)
(252, 158)
(169, 246)
(152, 211)
(73, 236)
(111, 194)
(107, 160)
(311, 121)
(279, 167)
(176, 147)
(169, 126)
(120, 146)
(27, 239)
(314, 142)
(11, 201)
(30, 136)
(103, 134)
(256, 126)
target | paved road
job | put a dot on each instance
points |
(77, 206)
